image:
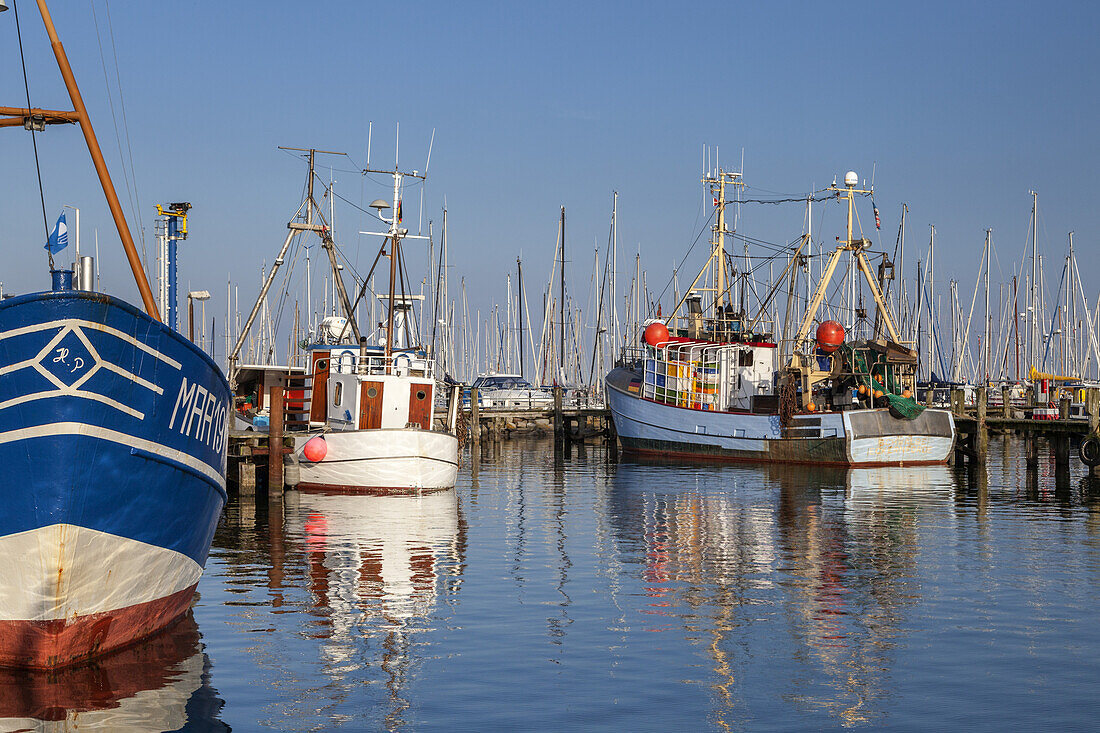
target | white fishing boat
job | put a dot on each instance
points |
(376, 432)
(716, 386)
(371, 412)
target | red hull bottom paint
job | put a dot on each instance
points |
(369, 490)
(719, 458)
(64, 642)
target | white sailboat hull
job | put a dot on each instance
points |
(398, 460)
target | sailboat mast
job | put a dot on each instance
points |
(561, 364)
(519, 307)
(1033, 348)
(988, 321)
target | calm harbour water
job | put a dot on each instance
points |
(574, 593)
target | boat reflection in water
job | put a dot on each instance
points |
(897, 486)
(819, 561)
(377, 566)
(159, 684)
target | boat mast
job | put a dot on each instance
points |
(986, 366)
(931, 299)
(561, 364)
(1033, 343)
(519, 307)
(79, 115)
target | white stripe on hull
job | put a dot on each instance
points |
(94, 431)
(63, 571)
(383, 459)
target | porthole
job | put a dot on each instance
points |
(372, 392)
(421, 394)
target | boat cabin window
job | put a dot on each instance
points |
(745, 359)
(338, 394)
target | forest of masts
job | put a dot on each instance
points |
(993, 326)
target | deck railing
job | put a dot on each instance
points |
(685, 374)
(402, 364)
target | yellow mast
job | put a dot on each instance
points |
(854, 247)
(713, 273)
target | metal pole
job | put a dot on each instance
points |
(173, 232)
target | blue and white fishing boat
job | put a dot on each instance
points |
(113, 431)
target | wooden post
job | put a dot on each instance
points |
(981, 438)
(1064, 408)
(275, 443)
(1061, 449)
(1032, 449)
(958, 401)
(246, 477)
(1092, 407)
(475, 420)
(1006, 402)
(559, 422)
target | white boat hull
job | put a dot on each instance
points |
(399, 460)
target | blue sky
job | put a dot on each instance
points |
(960, 107)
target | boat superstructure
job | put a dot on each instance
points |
(717, 385)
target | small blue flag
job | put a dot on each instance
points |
(59, 237)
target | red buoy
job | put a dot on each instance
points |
(830, 335)
(315, 449)
(656, 333)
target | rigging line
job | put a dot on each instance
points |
(702, 229)
(801, 200)
(114, 121)
(37, 167)
(357, 207)
(125, 124)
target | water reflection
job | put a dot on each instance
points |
(832, 551)
(377, 566)
(161, 684)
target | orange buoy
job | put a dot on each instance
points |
(878, 394)
(811, 407)
(656, 333)
(830, 335)
(863, 389)
(315, 449)
(906, 394)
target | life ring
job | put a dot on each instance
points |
(405, 365)
(1090, 451)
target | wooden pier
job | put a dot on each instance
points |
(974, 428)
(259, 459)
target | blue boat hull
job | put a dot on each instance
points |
(113, 432)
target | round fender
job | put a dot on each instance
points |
(1090, 451)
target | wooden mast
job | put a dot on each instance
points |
(100, 166)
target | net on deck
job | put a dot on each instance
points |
(870, 369)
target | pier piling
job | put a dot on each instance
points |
(475, 420)
(981, 437)
(559, 418)
(275, 443)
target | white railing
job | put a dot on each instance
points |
(402, 364)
